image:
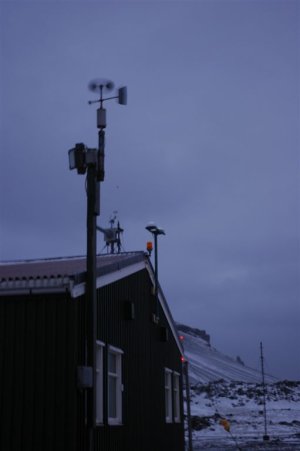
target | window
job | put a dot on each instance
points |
(168, 395)
(99, 382)
(176, 397)
(115, 386)
(172, 396)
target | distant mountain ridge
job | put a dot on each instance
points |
(206, 364)
(194, 332)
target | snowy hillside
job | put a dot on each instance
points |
(206, 364)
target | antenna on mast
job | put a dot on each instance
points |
(112, 234)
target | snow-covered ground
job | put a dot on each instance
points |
(240, 403)
(222, 388)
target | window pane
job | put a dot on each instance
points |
(176, 398)
(168, 395)
(99, 383)
(98, 357)
(112, 397)
(114, 386)
(166, 379)
(112, 363)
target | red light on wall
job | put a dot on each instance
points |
(182, 359)
(149, 246)
(181, 337)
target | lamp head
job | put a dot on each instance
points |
(77, 158)
(152, 228)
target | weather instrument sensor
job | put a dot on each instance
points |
(100, 86)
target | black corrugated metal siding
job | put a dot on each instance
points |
(41, 345)
(145, 357)
(37, 373)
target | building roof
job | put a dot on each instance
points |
(69, 274)
(65, 273)
(65, 266)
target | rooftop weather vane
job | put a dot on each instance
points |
(112, 234)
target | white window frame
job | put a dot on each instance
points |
(117, 375)
(99, 382)
(168, 395)
(176, 397)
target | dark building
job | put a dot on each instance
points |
(42, 347)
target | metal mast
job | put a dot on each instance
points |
(265, 437)
(91, 162)
(152, 228)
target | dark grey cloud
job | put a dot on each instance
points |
(207, 147)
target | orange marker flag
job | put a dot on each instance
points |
(225, 424)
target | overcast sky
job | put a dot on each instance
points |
(208, 147)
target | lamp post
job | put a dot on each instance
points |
(91, 162)
(152, 228)
(185, 365)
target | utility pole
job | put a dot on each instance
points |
(91, 162)
(188, 404)
(265, 437)
(152, 228)
(93, 208)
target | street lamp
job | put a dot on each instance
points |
(91, 162)
(152, 228)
